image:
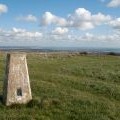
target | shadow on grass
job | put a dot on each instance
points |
(42, 103)
(1, 98)
(1, 101)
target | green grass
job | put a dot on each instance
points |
(69, 88)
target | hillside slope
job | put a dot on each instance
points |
(69, 88)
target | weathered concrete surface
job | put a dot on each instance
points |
(16, 88)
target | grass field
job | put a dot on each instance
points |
(69, 88)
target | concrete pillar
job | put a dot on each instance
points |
(16, 88)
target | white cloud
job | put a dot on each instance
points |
(88, 36)
(28, 18)
(115, 23)
(24, 33)
(17, 36)
(18, 30)
(84, 20)
(109, 38)
(3, 8)
(114, 3)
(60, 31)
(48, 18)
(100, 18)
(81, 18)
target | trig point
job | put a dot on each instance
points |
(16, 88)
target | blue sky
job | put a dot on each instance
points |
(69, 23)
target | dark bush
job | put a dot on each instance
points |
(111, 53)
(83, 53)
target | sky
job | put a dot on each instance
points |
(52, 23)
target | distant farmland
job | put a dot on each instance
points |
(68, 87)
